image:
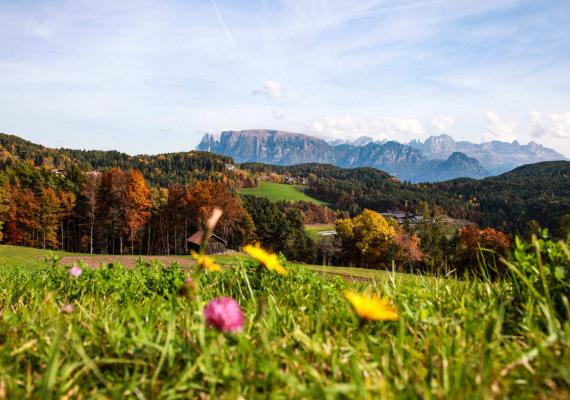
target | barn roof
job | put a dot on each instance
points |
(197, 237)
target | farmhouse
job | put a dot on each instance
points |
(215, 245)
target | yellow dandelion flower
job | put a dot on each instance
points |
(205, 262)
(372, 308)
(271, 261)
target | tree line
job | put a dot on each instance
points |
(113, 211)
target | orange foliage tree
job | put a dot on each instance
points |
(473, 240)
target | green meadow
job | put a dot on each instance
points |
(314, 229)
(130, 332)
(279, 191)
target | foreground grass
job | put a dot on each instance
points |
(278, 191)
(25, 258)
(130, 335)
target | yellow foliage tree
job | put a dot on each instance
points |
(366, 238)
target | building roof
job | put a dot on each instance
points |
(197, 237)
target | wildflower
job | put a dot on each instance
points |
(188, 288)
(372, 308)
(270, 260)
(224, 314)
(205, 262)
(67, 308)
(213, 220)
(75, 271)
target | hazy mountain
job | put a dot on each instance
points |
(457, 165)
(497, 157)
(269, 146)
(362, 141)
(285, 148)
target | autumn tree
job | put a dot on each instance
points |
(366, 238)
(22, 224)
(90, 201)
(235, 224)
(407, 249)
(475, 244)
(48, 217)
(137, 205)
(4, 208)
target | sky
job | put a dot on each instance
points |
(154, 76)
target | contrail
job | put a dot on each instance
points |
(224, 26)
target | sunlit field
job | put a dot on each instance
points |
(141, 332)
(280, 191)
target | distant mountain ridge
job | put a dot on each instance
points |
(497, 157)
(286, 148)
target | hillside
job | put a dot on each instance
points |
(159, 170)
(538, 191)
(279, 192)
(353, 189)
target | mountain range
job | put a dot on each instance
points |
(437, 158)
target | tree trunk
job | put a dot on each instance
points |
(185, 235)
(91, 238)
(148, 240)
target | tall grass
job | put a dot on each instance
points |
(131, 335)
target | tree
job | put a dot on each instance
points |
(407, 248)
(235, 225)
(369, 236)
(112, 201)
(4, 208)
(564, 227)
(473, 240)
(49, 217)
(137, 205)
(22, 218)
(329, 247)
(89, 192)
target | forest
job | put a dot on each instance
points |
(111, 203)
(536, 193)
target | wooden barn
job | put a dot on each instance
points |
(215, 245)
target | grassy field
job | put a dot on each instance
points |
(313, 230)
(279, 191)
(15, 257)
(129, 333)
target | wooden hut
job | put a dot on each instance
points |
(215, 245)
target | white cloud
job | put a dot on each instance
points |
(350, 127)
(555, 124)
(442, 123)
(271, 90)
(499, 128)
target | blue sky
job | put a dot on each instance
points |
(154, 76)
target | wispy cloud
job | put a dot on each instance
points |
(99, 74)
(352, 126)
(499, 128)
(442, 123)
(224, 26)
(556, 125)
(271, 90)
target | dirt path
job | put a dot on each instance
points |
(127, 261)
(130, 261)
